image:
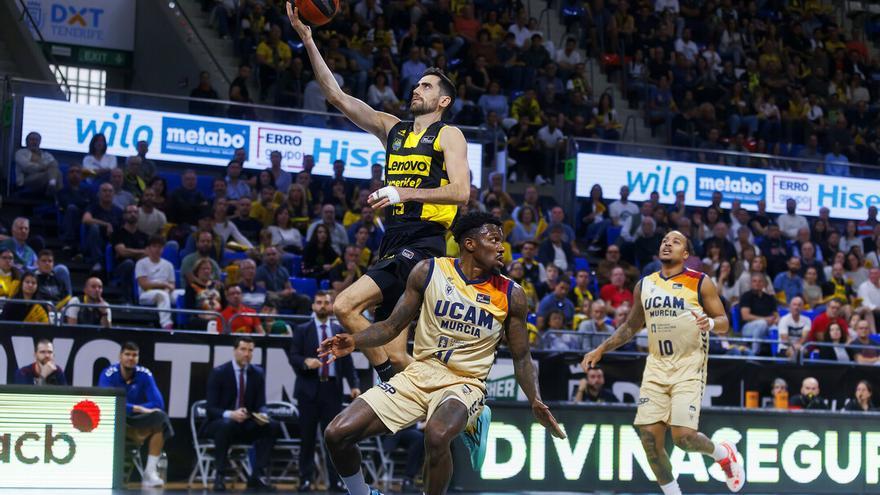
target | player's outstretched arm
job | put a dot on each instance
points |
(457, 192)
(382, 332)
(714, 318)
(363, 116)
(526, 377)
(623, 334)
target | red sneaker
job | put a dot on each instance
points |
(732, 467)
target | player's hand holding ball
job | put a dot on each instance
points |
(591, 359)
(315, 12)
(304, 32)
(337, 346)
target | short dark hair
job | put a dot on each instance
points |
(322, 293)
(467, 225)
(130, 346)
(241, 338)
(529, 242)
(156, 240)
(446, 86)
(42, 341)
(45, 252)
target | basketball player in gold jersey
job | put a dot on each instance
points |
(466, 307)
(426, 178)
(679, 307)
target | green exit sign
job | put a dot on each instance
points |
(86, 55)
(97, 56)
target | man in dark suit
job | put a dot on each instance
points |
(236, 397)
(318, 388)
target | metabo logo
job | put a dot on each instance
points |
(746, 187)
(202, 138)
(58, 448)
(503, 388)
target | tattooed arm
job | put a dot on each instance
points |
(524, 370)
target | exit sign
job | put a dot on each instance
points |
(85, 55)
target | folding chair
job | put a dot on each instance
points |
(134, 461)
(374, 460)
(204, 447)
(284, 467)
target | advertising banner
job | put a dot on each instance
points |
(55, 437)
(782, 451)
(181, 361)
(844, 197)
(98, 23)
(199, 140)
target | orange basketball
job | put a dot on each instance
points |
(317, 12)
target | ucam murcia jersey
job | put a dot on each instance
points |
(462, 320)
(677, 349)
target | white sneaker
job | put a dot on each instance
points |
(539, 180)
(152, 479)
(732, 467)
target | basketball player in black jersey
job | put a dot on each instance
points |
(426, 178)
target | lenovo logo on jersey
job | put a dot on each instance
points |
(408, 167)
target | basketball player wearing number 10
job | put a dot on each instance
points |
(426, 178)
(679, 307)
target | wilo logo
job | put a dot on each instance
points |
(84, 416)
(205, 139)
(119, 129)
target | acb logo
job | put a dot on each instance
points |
(25, 448)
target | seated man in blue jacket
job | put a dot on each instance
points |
(146, 419)
(44, 370)
(235, 404)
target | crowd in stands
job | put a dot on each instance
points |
(264, 241)
(511, 80)
(779, 78)
(776, 78)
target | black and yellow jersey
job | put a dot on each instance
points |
(415, 160)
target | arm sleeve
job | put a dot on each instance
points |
(239, 238)
(866, 300)
(20, 378)
(295, 354)
(62, 378)
(154, 397)
(212, 400)
(104, 381)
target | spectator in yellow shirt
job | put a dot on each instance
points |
(527, 105)
(263, 209)
(274, 57)
(10, 276)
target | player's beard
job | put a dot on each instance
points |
(420, 107)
